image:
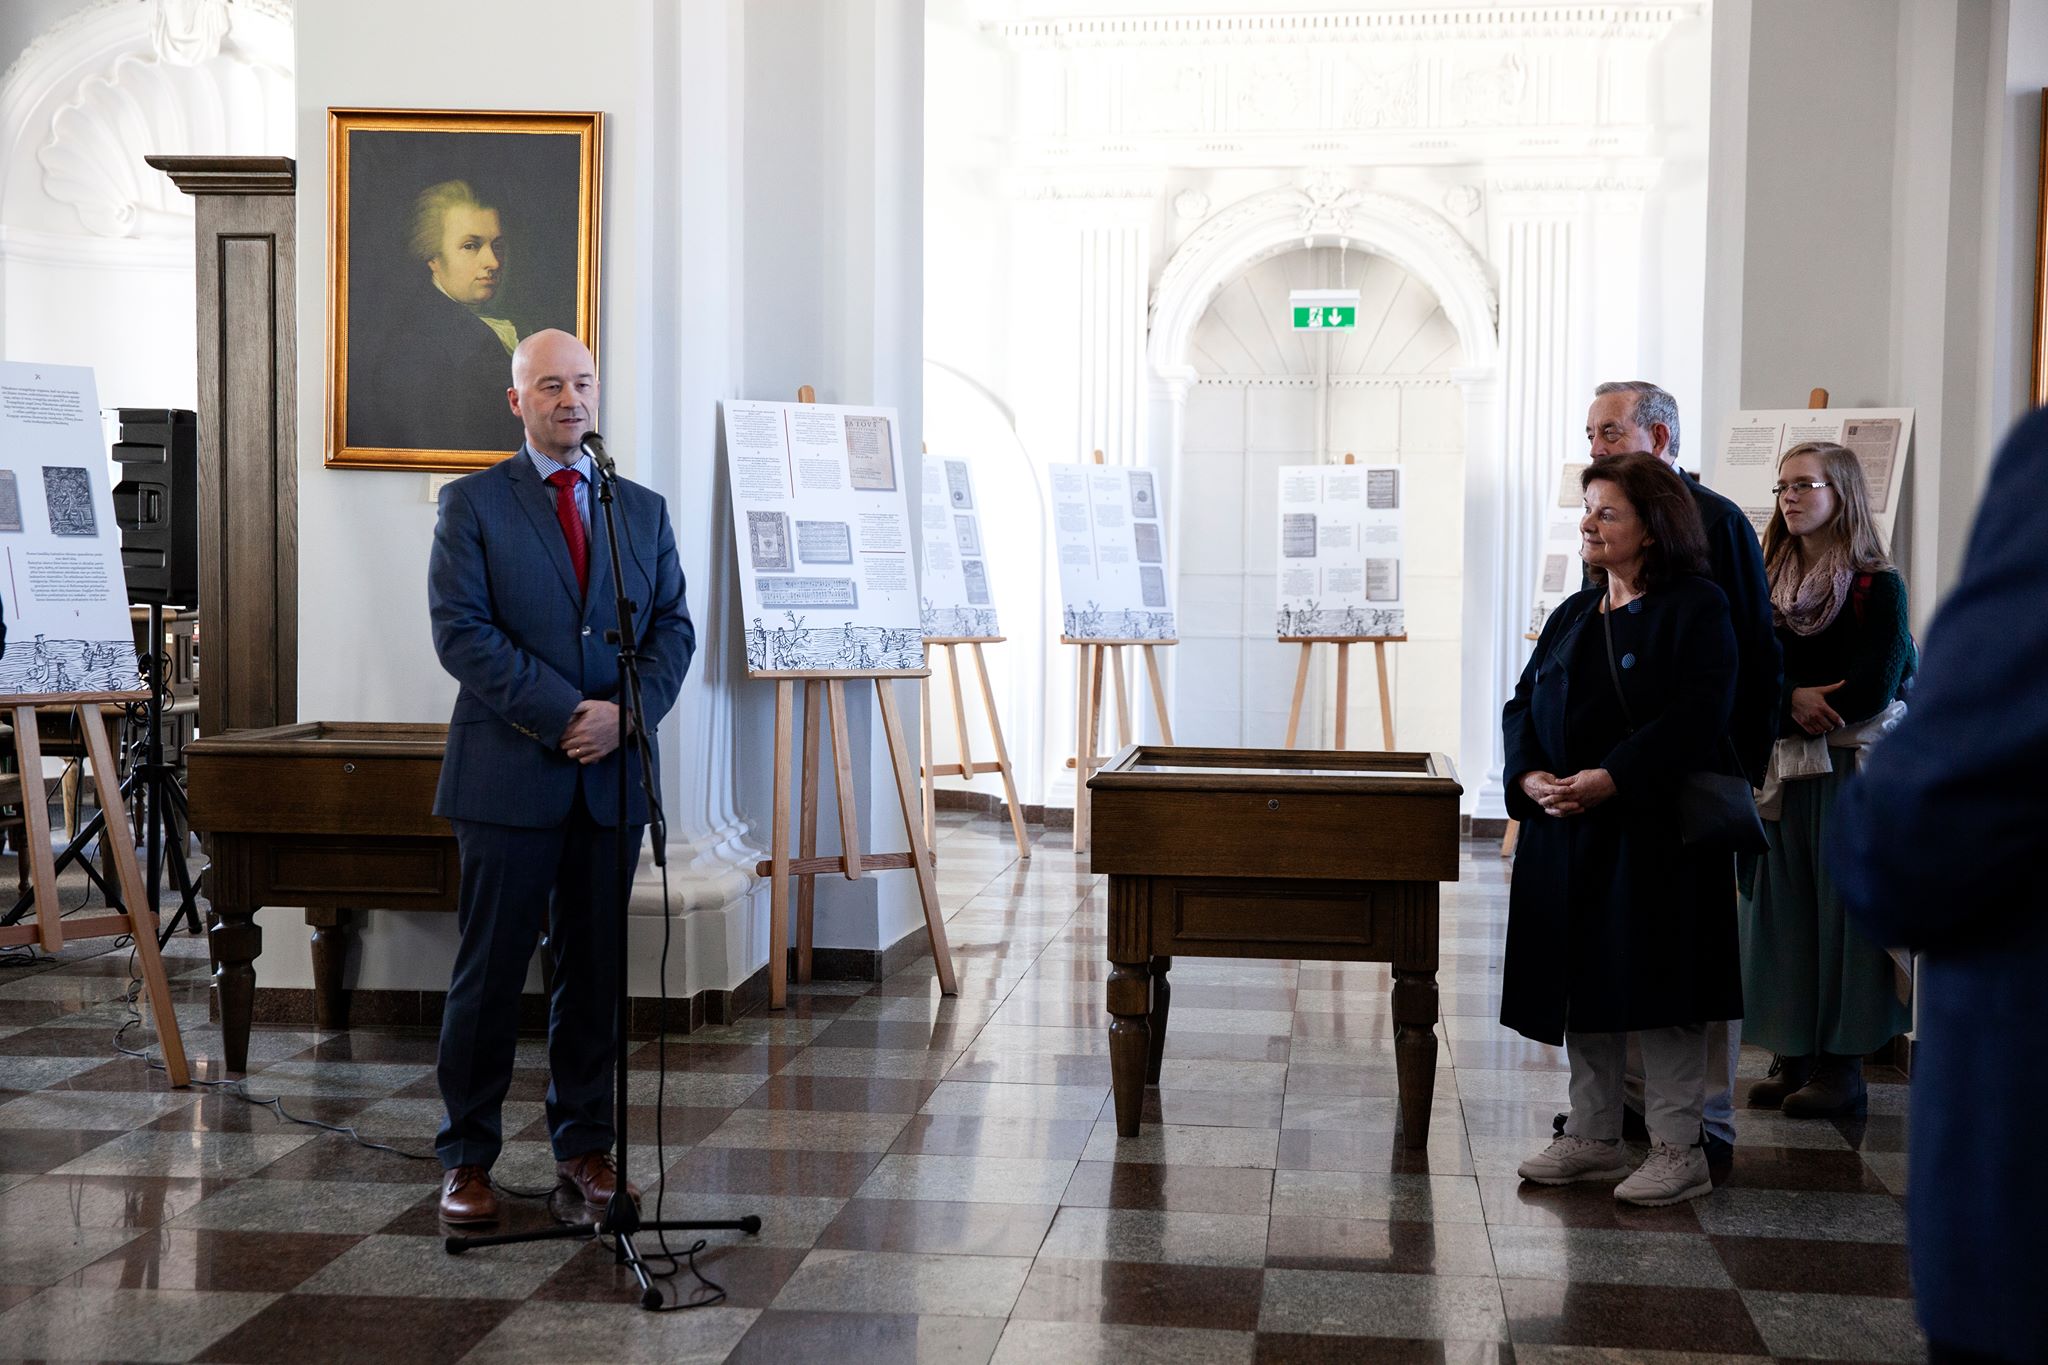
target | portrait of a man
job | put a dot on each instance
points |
(456, 236)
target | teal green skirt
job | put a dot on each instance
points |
(1811, 982)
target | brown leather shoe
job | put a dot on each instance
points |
(592, 1177)
(467, 1197)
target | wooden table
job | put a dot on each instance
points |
(329, 816)
(1277, 853)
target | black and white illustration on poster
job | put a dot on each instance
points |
(955, 602)
(1746, 462)
(1110, 538)
(826, 580)
(1340, 552)
(60, 563)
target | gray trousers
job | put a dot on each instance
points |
(1674, 1082)
(1724, 1049)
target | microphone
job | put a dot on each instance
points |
(593, 446)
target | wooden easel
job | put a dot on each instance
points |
(137, 917)
(1308, 645)
(829, 686)
(1090, 665)
(967, 767)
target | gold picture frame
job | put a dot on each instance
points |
(2040, 390)
(450, 234)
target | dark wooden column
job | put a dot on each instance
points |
(248, 436)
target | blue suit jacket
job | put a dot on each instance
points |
(1936, 845)
(511, 626)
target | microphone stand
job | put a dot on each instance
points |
(621, 1221)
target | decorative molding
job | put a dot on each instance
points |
(1433, 380)
(1192, 205)
(1326, 204)
(189, 32)
(1595, 21)
(1463, 200)
(229, 174)
(1057, 186)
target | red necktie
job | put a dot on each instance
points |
(564, 481)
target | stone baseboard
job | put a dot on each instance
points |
(987, 803)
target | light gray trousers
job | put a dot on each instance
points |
(1674, 1082)
(1724, 1049)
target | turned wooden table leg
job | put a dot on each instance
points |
(331, 935)
(1415, 1014)
(235, 940)
(1130, 1041)
(1162, 996)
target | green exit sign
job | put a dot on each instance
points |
(1314, 318)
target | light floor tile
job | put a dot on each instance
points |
(902, 1282)
(124, 1324)
(968, 1179)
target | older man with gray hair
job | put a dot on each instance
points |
(1636, 415)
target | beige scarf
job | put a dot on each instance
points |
(1808, 603)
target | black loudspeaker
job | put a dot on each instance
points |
(156, 505)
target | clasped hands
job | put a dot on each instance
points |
(1574, 795)
(593, 730)
(1811, 711)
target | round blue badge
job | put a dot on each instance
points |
(1628, 661)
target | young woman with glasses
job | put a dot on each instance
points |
(1818, 993)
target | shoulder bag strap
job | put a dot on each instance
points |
(1607, 629)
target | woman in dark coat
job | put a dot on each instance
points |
(1614, 925)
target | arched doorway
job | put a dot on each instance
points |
(1265, 396)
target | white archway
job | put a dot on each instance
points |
(1325, 210)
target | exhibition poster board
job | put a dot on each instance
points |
(65, 596)
(1111, 539)
(956, 603)
(1558, 570)
(1340, 573)
(1746, 460)
(823, 532)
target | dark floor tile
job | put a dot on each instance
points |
(823, 1006)
(750, 1275)
(781, 1338)
(841, 1094)
(739, 1170)
(1518, 1203)
(52, 1042)
(1636, 1317)
(760, 1059)
(529, 1085)
(380, 1331)
(1809, 1267)
(1802, 1168)
(222, 1112)
(1339, 1149)
(1032, 1069)
(1178, 1189)
(1142, 1294)
(201, 1258)
(516, 1213)
(905, 1034)
(103, 1201)
(1361, 1245)
(976, 1135)
(937, 1226)
(1281, 1348)
(681, 1126)
(377, 1045)
(11, 1294)
(1873, 1132)
(135, 1074)
(32, 1151)
(23, 1013)
(335, 1157)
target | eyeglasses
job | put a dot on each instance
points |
(1779, 490)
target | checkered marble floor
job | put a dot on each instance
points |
(940, 1180)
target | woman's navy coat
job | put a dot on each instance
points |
(1613, 924)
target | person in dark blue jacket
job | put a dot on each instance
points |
(1937, 847)
(520, 590)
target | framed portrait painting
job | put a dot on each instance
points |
(451, 236)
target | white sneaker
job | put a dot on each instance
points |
(1572, 1158)
(1669, 1175)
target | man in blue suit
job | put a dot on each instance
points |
(521, 593)
(1936, 846)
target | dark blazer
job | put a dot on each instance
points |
(436, 378)
(1735, 561)
(1936, 845)
(527, 646)
(1613, 924)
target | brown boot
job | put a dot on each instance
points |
(1786, 1075)
(1836, 1089)
(467, 1197)
(592, 1177)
